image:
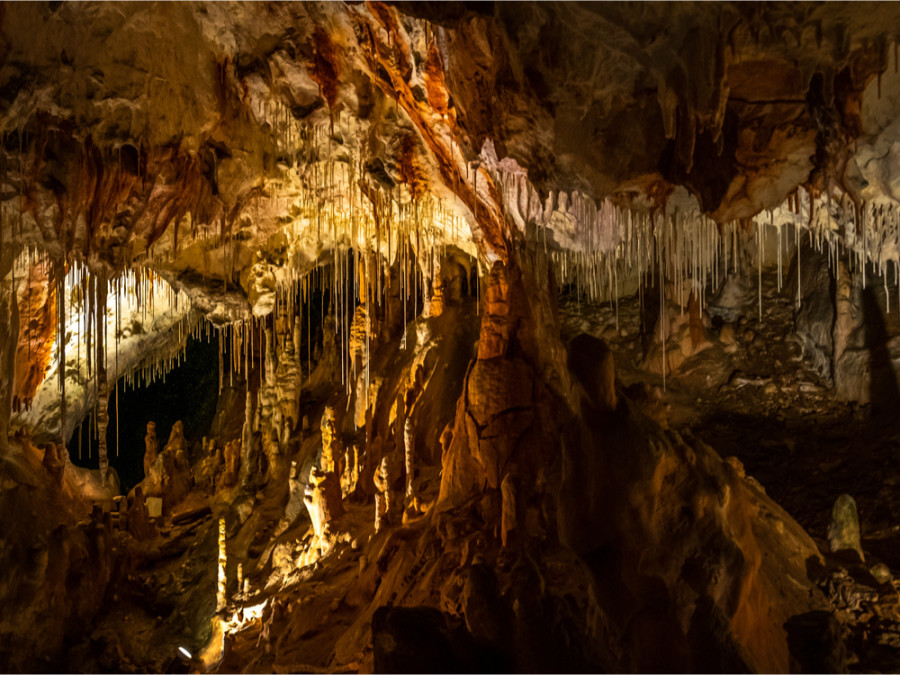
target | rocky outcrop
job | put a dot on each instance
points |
(672, 536)
(679, 334)
(151, 448)
(683, 565)
(59, 559)
(169, 477)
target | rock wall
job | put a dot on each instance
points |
(59, 557)
(671, 536)
(8, 340)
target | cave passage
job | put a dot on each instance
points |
(505, 337)
(189, 392)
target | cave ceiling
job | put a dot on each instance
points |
(229, 149)
(130, 126)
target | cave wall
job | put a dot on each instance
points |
(215, 160)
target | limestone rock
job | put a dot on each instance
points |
(55, 463)
(726, 335)
(683, 334)
(232, 465)
(815, 314)
(881, 573)
(151, 447)
(323, 496)
(169, 476)
(495, 325)
(852, 374)
(843, 533)
(497, 385)
(731, 299)
(713, 553)
(323, 500)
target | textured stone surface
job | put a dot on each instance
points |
(814, 322)
(843, 533)
(231, 149)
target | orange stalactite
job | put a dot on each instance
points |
(410, 174)
(37, 334)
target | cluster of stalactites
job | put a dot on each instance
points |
(320, 183)
(595, 245)
(360, 230)
(91, 315)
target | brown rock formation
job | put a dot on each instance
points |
(151, 445)
(36, 334)
(323, 494)
(318, 186)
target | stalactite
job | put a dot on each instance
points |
(759, 265)
(663, 314)
(102, 382)
(61, 362)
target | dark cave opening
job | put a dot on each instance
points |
(188, 393)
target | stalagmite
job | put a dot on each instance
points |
(323, 494)
(9, 331)
(382, 490)
(248, 455)
(231, 454)
(54, 462)
(331, 445)
(295, 498)
(436, 295)
(151, 445)
(223, 561)
(409, 442)
(270, 357)
(350, 474)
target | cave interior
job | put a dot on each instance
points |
(450, 337)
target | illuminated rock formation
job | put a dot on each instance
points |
(538, 266)
(232, 457)
(221, 578)
(323, 494)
